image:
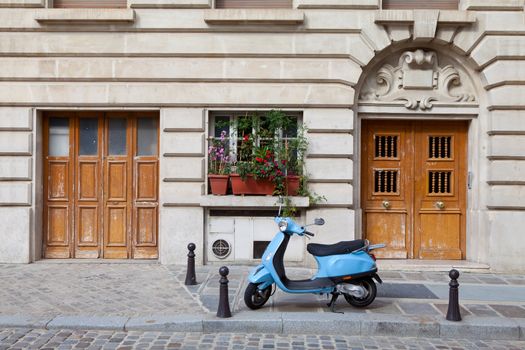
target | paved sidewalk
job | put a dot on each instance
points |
(153, 297)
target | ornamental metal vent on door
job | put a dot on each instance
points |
(439, 147)
(386, 146)
(385, 181)
(439, 182)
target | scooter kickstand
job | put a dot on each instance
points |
(331, 304)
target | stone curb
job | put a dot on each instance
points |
(486, 328)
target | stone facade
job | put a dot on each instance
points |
(325, 59)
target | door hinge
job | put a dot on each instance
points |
(469, 180)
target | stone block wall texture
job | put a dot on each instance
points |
(167, 57)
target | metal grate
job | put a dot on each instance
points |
(439, 147)
(439, 182)
(385, 181)
(221, 248)
(386, 146)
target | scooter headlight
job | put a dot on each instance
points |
(283, 225)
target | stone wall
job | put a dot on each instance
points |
(187, 60)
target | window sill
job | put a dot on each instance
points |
(254, 16)
(171, 4)
(249, 201)
(22, 3)
(86, 16)
(339, 4)
(407, 17)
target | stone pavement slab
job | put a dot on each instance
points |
(175, 323)
(28, 321)
(481, 328)
(88, 322)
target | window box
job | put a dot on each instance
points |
(251, 186)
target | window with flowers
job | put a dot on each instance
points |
(266, 148)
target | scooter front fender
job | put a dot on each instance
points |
(261, 276)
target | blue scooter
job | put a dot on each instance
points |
(346, 268)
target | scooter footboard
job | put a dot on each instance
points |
(262, 276)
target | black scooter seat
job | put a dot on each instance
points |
(343, 247)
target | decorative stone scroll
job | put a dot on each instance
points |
(418, 80)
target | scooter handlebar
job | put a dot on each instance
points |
(308, 233)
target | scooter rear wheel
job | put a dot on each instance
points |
(255, 298)
(371, 288)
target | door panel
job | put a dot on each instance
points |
(387, 191)
(58, 227)
(414, 180)
(145, 197)
(87, 185)
(146, 186)
(87, 226)
(58, 180)
(58, 183)
(117, 187)
(440, 190)
(101, 190)
(395, 233)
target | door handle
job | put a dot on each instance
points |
(440, 205)
(386, 204)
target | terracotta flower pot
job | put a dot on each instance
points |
(251, 186)
(219, 184)
(292, 185)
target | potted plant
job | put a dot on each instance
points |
(219, 165)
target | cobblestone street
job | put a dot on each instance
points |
(66, 339)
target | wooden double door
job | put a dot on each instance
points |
(414, 180)
(100, 185)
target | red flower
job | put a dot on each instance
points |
(246, 137)
(283, 162)
(263, 172)
(260, 160)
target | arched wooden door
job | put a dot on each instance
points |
(414, 179)
(101, 185)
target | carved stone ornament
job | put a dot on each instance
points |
(419, 81)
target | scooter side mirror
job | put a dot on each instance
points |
(319, 221)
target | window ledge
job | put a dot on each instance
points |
(254, 16)
(408, 17)
(249, 201)
(339, 4)
(89, 16)
(22, 3)
(491, 5)
(175, 4)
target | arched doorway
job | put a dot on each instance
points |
(415, 108)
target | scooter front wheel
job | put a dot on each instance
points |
(370, 287)
(255, 298)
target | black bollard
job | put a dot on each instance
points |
(191, 280)
(223, 310)
(453, 313)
